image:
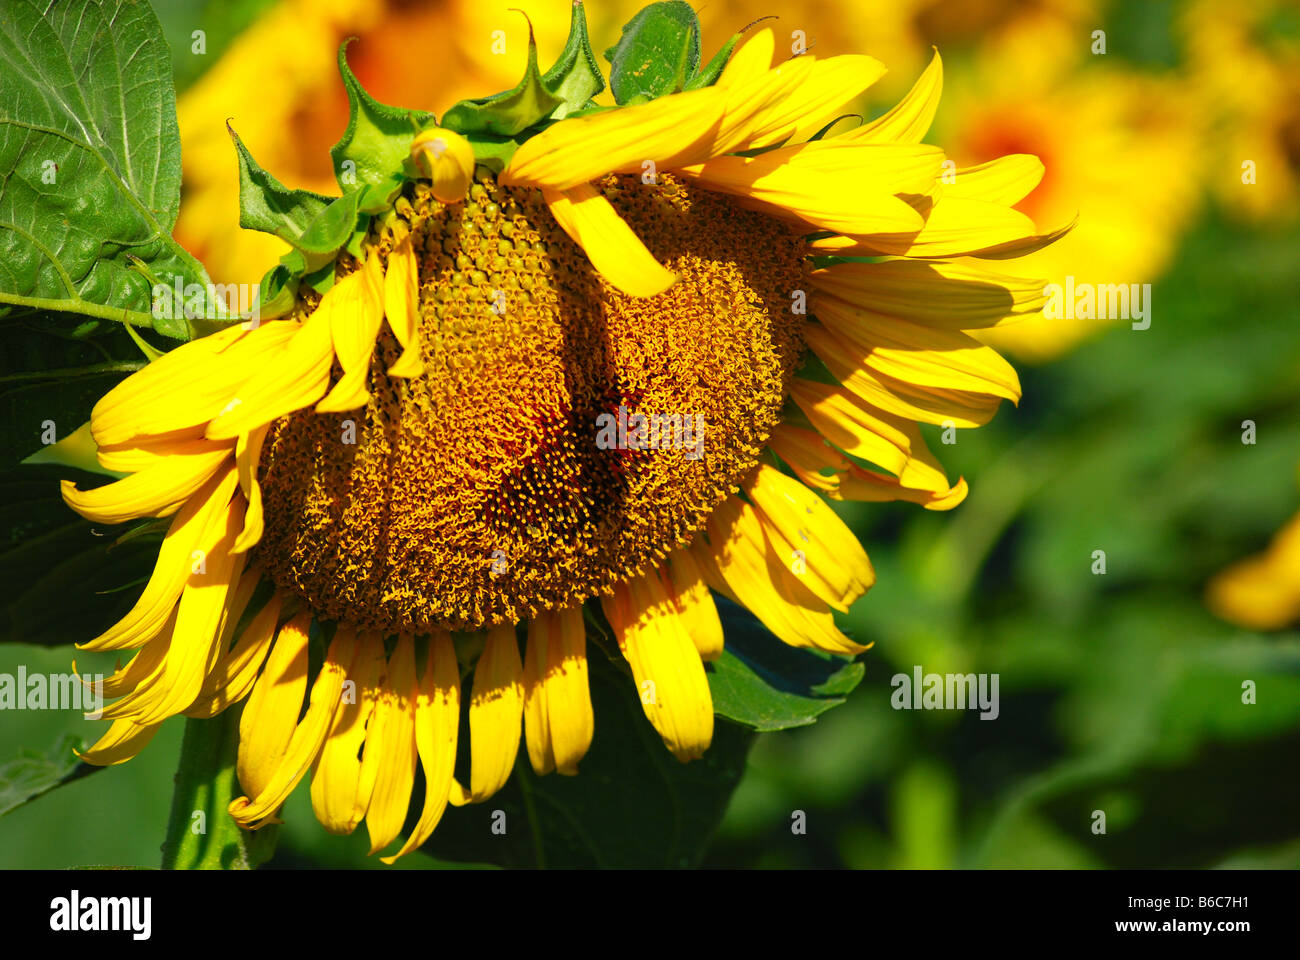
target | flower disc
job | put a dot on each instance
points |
(510, 477)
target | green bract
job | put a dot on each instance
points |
(658, 54)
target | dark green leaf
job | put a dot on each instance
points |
(765, 684)
(32, 773)
(90, 162)
(632, 804)
(377, 143)
(657, 53)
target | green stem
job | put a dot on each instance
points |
(200, 833)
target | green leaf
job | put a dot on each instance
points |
(32, 773)
(576, 77)
(377, 143)
(509, 113)
(90, 164)
(657, 53)
(765, 684)
(267, 205)
(631, 805)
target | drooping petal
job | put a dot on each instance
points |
(558, 719)
(832, 562)
(308, 737)
(341, 783)
(496, 710)
(175, 562)
(741, 562)
(437, 719)
(695, 604)
(122, 741)
(235, 673)
(354, 325)
(393, 732)
(613, 248)
(666, 667)
(151, 491)
(952, 295)
(267, 723)
(402, 307)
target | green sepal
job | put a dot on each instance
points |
(658, 52)
(278, 291)
(509, 113)
(494, 153)
(321, 241)
(267, 205)
(713, 69)
(576, 76)
(378, 139)
(321, 279)
(379, 197)
(77, 450)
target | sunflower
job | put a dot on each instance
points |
(569, 369)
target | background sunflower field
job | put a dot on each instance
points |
(1120, 691)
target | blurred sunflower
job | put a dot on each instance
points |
(1262, 592)
(558, 365)
(1121, 149)
(1243, 64)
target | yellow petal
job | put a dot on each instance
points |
(1006, 180)
(670, 131)
(926, 356)
(1262, 592)
(910, 118)
(749, 61)
(823, 468)
(184, 387)
(831, 184)
(299, 374)
(868, 432)
(741, 562)
(695, 604)
(953, 295)
(831, 561)
(828, 87)
(393, 730)
(437, 718)
(123, 740)
(558, 719)
(666, 667)
(236, 672)
(248, 455)
(848, 363)
(354, 325)
(496, 709)
(613, 248)
(307, 740)
(448, 160)
(402, 307)
(342, 782)
(269, 717)
(151, 491)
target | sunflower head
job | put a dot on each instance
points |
(547, 363)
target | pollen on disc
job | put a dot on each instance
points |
(484, 491)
